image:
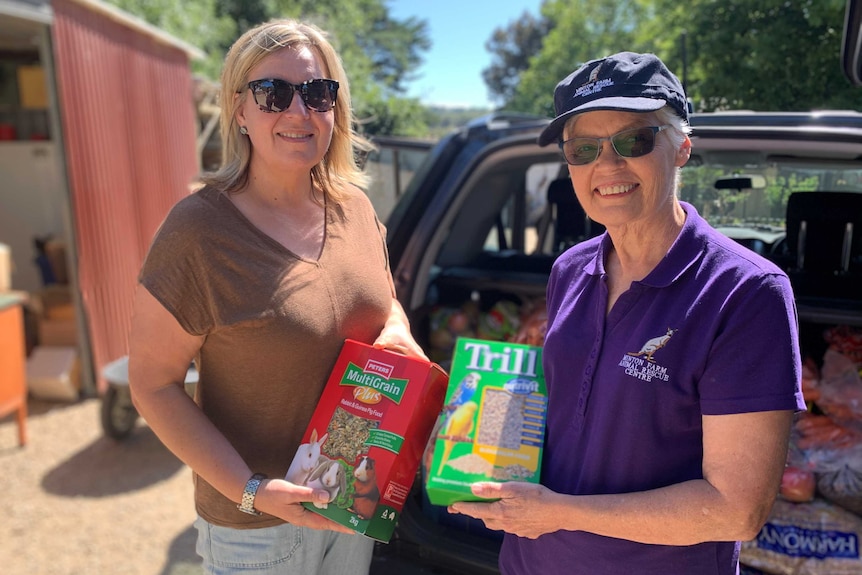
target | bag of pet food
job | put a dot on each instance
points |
(366, 436)
(816, 538)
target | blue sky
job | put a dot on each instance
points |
(451, 74)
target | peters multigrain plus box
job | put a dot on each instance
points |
(492, 425)
(366, 436)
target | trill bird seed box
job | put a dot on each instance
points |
(366, 436)
(492, 425)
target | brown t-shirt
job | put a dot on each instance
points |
(273, 322)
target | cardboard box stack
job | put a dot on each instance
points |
(56, 316)
(53, 367)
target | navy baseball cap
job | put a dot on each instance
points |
(626, 81)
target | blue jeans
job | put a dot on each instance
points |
(281, 550)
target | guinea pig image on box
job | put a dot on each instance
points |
(329, 475)
(306, 459)
(365, 494)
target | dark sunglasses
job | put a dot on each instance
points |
(275, 96)
(632, 143)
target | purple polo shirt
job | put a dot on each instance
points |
(711, 330)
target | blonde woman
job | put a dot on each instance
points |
(259, 277)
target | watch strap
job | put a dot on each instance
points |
(249, 493)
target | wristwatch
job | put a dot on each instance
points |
(251, 486)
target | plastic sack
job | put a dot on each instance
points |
(833, 453)
(798, 484)
(820, 433)
(810, 381)
(500, 323)
(534, 324)
(815, 538)
(840, 390)
(847, 341)
(838, 471)
(446, 324)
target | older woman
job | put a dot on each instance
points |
(671, 357)
(259, 277)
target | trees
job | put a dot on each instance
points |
(195, 21)
(577, 31)
(731, 54)
(761, 54)
(755, 54)
(511, 49)
(379, 53)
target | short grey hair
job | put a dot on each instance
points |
(677, 134)
(680, 128)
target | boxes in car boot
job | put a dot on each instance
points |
(492, 425)
(366, 436)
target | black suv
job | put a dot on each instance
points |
(484, 217)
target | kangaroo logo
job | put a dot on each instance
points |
(653, 345)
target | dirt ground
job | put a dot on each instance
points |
(76, 502)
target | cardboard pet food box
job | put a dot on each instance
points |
(492, 426)
(366, 436)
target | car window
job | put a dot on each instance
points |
(391, 167)
(746, 198)
(526, 218)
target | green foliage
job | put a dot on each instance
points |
(379, 53)
(393, 116)
(244, 13)
(195, 22)
(753, 54)
(697, 185)
(582, 30)
(511, 49)
(778, 190)
(756, 54)
(731, 54)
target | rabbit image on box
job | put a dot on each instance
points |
(366, 493)
(306, 459)
(330, 476)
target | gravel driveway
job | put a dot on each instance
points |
(78, 503)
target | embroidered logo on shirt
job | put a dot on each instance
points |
(652, 346)
(642, 365)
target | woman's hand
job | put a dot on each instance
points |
(283, 499)
(524, 509)
(396, 335)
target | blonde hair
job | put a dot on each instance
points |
(338, 168)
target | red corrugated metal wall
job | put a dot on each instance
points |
(128, 119)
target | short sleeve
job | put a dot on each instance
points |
(754, 362)
(174, 271)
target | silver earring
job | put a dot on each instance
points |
(243, 130)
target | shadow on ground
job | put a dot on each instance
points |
(182, 559)
(109, 467)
